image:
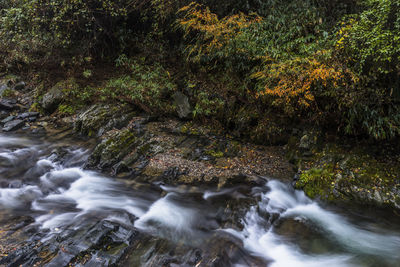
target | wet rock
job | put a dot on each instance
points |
(25, 256)
(120, 168)
(171, 175)
(112, 149)
(13, 125)
(27, 115)
(8, 119)
(38, 131)
(15, 184)
(52, 99)
(32, 119)
(343, 175)
(182, 104)
(7, 104)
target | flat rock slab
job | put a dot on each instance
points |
(7, 104)
(13, 125)
(27, 115)
(8, 119)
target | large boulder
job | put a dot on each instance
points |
(55, 96)
(338, 173)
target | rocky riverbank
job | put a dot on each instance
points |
(135, 146)
(130, 143)
(345, 171)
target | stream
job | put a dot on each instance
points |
(53, 212)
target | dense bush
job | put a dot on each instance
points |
(296, 58)
(369, 43)
(146, 86)
(335, 63)
(62, 31)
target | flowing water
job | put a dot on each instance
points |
(55, 213)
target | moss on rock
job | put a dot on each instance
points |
(112, 149)
(339, 174)
(101, 118)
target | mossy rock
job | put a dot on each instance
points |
(318, 182)
(56, 95)
(337, 174)
(113, 149)
(101, 118)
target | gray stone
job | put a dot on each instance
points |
(13, 125)
(305, 142)
(20, 86)
(7, 104)
(310, 140)
(8, 119)
(32, 119)
(28, 115)
(101, 118)
(378, 198)
(52, 99)
(55, 95)
(182, 104)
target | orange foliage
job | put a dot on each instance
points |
(216, 33)
(296, 81)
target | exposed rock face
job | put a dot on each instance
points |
(113, 149)
(337, 173)
(182, 154)
(101, 118)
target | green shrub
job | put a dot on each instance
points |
(369, 43)
(57, 31)
(148, 87)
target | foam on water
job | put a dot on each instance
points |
(264, 242)
(19, 197)
(166, 213)
(86, 191)
(63, 196)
